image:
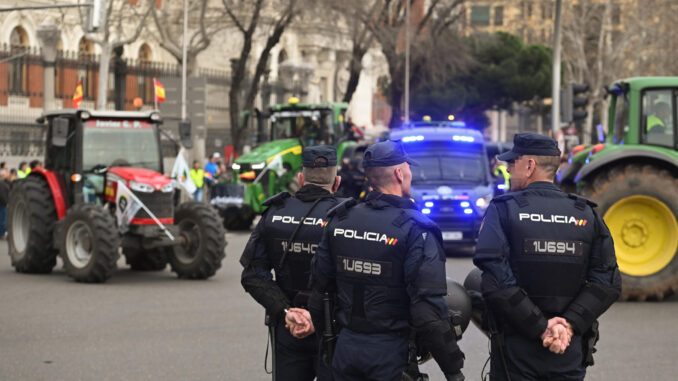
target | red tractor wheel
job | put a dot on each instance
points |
(30, 220)
(89, 243)
(200, 254)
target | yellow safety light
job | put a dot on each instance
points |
(450, 117)
(426, 118)
(293, 100)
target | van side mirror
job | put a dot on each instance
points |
(59, 132)
(185, 134)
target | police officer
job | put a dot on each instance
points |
(384, 261)
(285, 240)
(549, 269)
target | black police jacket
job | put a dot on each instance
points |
(270, 241)
(545, 253)
(385, 262)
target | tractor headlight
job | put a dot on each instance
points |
(483, 202)
(258, 166)
(235, 166)
(167, 188)
(140, 187)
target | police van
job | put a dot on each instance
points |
(452, 184)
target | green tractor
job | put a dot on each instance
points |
(633, 176)
(271, 167)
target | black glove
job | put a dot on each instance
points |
(455, 377)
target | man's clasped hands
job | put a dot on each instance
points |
(298, 321)
(557, 335)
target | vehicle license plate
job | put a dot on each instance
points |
(452, 236)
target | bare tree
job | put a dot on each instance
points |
(603, 42)
(204, 23)
(247, 15)
(385, 20)
(123, 25)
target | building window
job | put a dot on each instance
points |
(616, 14)
(480, 16)
(547, 11)
(17, 69)
(498, 15)
(86, 65)
(144, 85)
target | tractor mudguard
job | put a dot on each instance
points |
(626, 153)
(55, 187)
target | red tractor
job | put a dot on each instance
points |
(69, 207)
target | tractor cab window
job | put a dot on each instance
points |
(108, 143)
(658, 117)
(311, 127)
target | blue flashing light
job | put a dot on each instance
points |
(465, 204)
(501, 186)
(426, 211)
(428, 204)
(413, 138)
(468, 211)
(463, 138)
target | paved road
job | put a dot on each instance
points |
(152, 326)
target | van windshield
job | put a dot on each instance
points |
(450, 167)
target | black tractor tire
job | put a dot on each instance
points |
(202, 239)
(89, 243)
(146, 260)
(637, 230)
(31, 217)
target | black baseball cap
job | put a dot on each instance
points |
(313, 153)
(528, 143)
(386, 154)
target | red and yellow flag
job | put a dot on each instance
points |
(77, 96)
(159, 91)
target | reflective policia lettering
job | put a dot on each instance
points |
(367, 236)
(300, 247)
(540, 246)
(363, 267)
(293, 220)
(555, 219)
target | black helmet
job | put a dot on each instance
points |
(473, 288)
(459, 305)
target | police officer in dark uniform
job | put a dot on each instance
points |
(285, 240)
(384, 261)
(549, 270)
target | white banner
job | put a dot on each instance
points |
(181, 171)
(126, 206)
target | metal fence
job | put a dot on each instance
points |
(21, 94)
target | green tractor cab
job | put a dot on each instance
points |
(271, 167)
(633, 176)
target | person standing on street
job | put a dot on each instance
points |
(385, 262)
(23, 170)
(548, 270)
(285, 240)
(4, 198)
(198, 177)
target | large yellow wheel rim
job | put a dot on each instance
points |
(645, 234)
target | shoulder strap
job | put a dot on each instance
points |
(581, 202)
(419, 219)
(277, 199)
(341, 209)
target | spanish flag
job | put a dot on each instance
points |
(159, 91)
(77, 96)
